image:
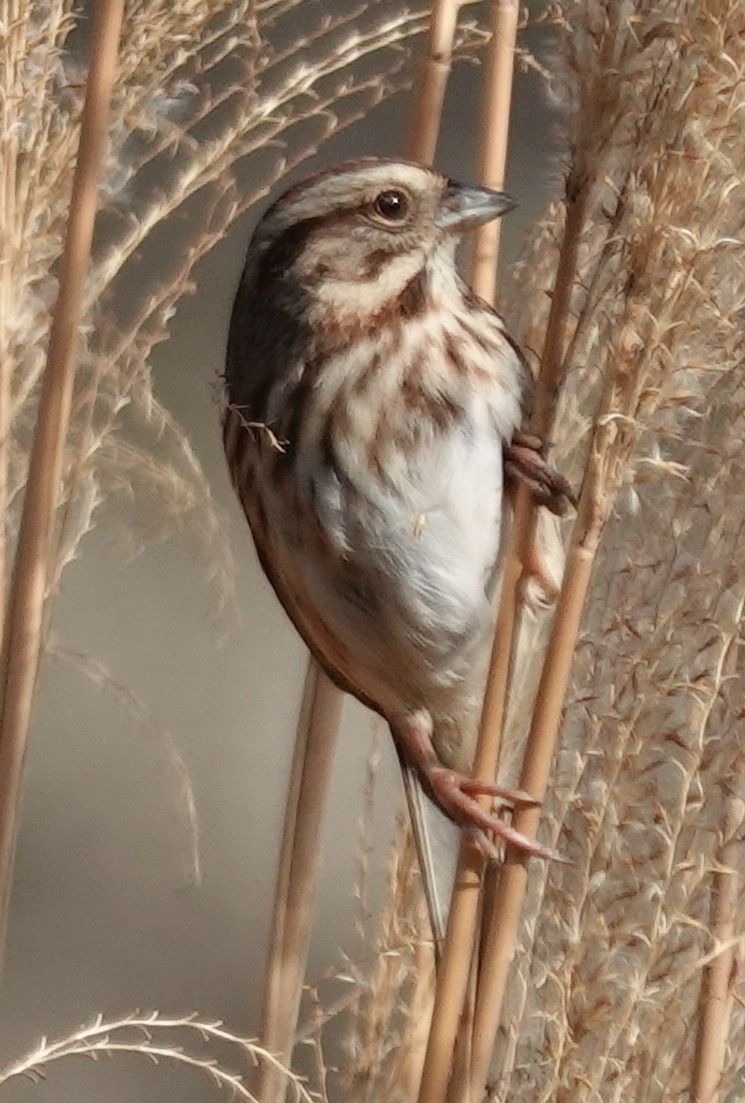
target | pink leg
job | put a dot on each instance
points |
(456, 793)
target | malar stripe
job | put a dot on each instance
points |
(412, 302)
(374, 264)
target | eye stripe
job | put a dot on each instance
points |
(284, 249)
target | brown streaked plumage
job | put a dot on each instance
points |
(372, 400)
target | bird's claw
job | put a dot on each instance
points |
(525, 461)
(517, 798)
(485, 844)
(456, 794)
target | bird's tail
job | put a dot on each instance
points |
(437, 841)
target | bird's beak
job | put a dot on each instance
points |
(467, 205)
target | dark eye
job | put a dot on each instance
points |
(393, 206)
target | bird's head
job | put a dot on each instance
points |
(352, 239)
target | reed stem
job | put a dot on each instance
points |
(500, 934)
(718, 981)
(297, 875)
(429, 94)
(455, 963)
(23, 636)
(548, 384)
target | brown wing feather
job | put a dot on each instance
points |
(237, 440)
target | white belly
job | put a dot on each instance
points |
(406, 589)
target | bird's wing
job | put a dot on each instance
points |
(319, 641)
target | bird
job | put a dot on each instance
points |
(374, 429)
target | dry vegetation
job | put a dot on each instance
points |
(604, 1000)
(648, 784)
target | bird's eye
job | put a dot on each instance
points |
(392, 205)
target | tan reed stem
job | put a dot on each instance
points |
(455, 962)
(719, 976)
(554, 364)
(12, 58)
(501, 932)
(429, 95)
(298, 867)
(494, 135)
(297, 876)
(548, 383)
(22, 639)
(274, 997)
(414, 1042)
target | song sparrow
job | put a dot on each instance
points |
(374, 403)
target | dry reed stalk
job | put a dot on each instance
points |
(161, 1039)
(314, 750)
(414, 1042)
(493, 139)
(455, 964)
(500, 926)
(12, 59)
(501, 930)
(297, 876)
(429, 92)
(612, 945)
(719, 981)
(22, 639)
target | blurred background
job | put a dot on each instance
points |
(149, 682)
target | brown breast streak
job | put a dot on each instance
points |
(421, 403)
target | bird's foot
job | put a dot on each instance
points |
(456, 794)
(525, 461)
